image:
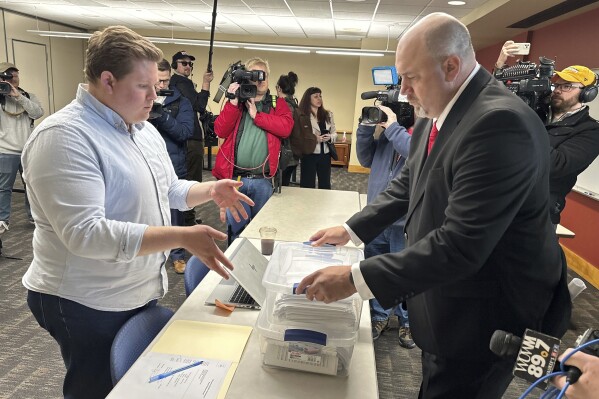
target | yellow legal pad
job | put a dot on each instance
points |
(206, 340)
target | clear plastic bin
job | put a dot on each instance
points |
(304, 349)
(307, 335)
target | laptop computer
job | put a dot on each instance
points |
(244, 289)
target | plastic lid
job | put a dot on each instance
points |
(292, 261)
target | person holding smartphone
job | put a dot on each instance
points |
(323, 126)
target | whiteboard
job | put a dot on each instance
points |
(588, 181)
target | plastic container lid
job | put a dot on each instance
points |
(292, 261)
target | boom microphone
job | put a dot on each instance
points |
(535, 355)
(367, 95)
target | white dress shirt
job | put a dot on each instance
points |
(94, 188)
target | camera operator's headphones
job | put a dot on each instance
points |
(589, 93)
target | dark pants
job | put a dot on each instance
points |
(444, 378)
(316, 164)
(85, 336)
(287, 174)
(195, 159)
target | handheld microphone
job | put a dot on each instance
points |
(535, 355)
(367, 95)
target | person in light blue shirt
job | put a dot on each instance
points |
(101, 187)
(385, 153)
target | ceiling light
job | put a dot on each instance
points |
(456, 3)
(341, 52)
(256, 46)
(286, 50)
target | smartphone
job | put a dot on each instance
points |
(523, 49)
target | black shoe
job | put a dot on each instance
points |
(405, 338)
(378, 326)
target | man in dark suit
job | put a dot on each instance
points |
(481, 251)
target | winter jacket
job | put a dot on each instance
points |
(198, 100)
(277, 124)
(16, 125)
(574, 146)
(176, 130)
(380, 156)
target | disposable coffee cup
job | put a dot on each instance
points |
(267, 239)
(575, 287)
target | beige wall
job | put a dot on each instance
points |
(341, 78)
(335, 75)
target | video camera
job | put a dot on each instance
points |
(236, 73)
(156, 110)
(5, 87)
(530, 82)
(390, 98)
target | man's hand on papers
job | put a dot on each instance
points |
(333, 235)
(201, 244)
(224, 193)
(327, 285)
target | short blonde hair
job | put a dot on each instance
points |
(115, 49)
(249, 64)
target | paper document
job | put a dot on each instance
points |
(220, 346)
(200, 382)
(204, 340)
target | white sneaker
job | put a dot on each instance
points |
(3, 227)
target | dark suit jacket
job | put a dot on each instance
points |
(482, 254)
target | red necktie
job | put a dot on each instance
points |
(432, 137)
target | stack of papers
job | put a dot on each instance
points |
(297, 310)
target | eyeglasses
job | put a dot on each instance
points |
(185, 63)
(165, 81)
(565, 87)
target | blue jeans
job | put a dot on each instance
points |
(85, 336)
(10, 164)
(177, 219)
(259, 190)
(390, 240)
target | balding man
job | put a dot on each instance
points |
(481, 251)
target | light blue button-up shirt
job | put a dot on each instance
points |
(94, 188)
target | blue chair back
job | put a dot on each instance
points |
(134, 337)
(195, 271)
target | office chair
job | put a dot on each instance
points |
(195, 271)
(134, 337)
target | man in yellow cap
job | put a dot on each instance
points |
(573, 133)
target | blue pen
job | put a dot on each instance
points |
(175, 371)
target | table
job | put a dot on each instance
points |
(297, 213)
(254, 381)
(563, 232)
(363, 201)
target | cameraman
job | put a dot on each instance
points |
(174, 121)
(252, 131)
(19, 110)
(385, 153)
(573, 133)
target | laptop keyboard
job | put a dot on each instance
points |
(240, 295)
